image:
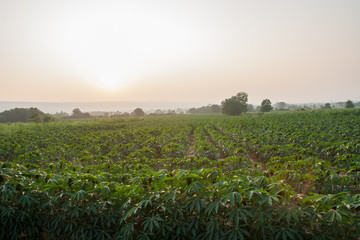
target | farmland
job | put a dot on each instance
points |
(290, 175)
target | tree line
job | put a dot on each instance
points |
(24, 115)
(237, 105)
(233, 106)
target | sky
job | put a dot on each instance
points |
(179, 51)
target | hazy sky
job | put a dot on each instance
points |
(179, 51)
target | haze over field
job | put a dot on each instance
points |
(183, 51)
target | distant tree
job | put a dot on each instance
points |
(327, 106)
(243, 98)
(349, 104)
(209, 109)
(138, 112)
(48, 118)
(293, 106)
(158, 112)
(215, 109)
(179, 111)
(60, 115)
(250, 108)
(171, 112)
(236, 105)
(231, 106)
(192, 110)
(36, 117)
(266, 106)
(22, 115)
(76, 113)
(281, 105)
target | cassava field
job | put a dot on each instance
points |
(290, 175)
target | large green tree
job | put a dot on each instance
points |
(266, 106)
(138, 112)
(327, 106)
(236, 105)
(349, 104)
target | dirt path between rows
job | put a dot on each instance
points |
(191, 148)
(258, 161)
(253, 157)
(262, 163)
(307, 186)
(212, 142)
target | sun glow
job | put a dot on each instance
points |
(169, 50)
(110, 82)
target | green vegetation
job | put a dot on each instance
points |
(349, 104)
(289, 175)
(77, 113)
(266, 106)
(209, 109)
(138, 112)
(24, 115)
(236, 105)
